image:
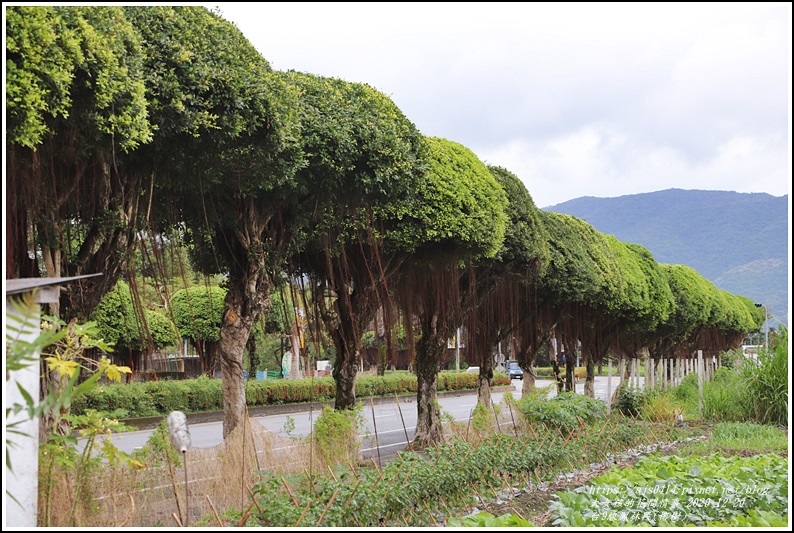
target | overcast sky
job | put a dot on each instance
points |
(577, 100)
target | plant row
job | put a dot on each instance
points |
(670, 491)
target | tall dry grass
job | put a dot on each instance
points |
(149, 490)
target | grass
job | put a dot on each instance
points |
(740, 438)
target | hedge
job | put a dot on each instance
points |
(202, 394)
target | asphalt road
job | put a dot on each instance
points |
(389, 426)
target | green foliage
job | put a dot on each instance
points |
(482, 419)
(754, 519)
(725, 397)
(162, 331)
(767, 383)
(660, 406)
(735, 438)
(525, 238)
(416, 487)
(583, 268)
(750, 391)
(459, 206)
(203, 394)
(76, 62)
(115, 316)
(567, 411)
(220, 111)
(731, 358)
(336, 433)
(198, 312)
(687, 491)
(485, 519)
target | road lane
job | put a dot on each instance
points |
(393, 420)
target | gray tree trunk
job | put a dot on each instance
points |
(589, 382)
(431, 348)
(246, 300)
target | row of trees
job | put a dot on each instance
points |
(163, 122)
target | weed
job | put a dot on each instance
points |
(336, 434)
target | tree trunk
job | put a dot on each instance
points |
(530, 376)
(344, 373)
(589, 382)
(295, 341)
(253, 359)
(486, 378)
(246, 301)
(429, 352)
(50, 420)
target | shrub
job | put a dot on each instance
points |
(766, 383)
(566, 411)
(629, 400)
(731, 358)
(336, 434)
(660, 407)
(724, 397)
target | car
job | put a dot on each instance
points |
(514, 370)
(473, 369)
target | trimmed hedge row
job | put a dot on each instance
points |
(154, 398)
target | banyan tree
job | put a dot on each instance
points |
(364, 162)
(644, 302)
(223, 163)
(503, 288)
(459, 215)
(75, 105)
(583, 278)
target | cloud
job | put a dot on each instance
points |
(601, 161)
(594, 99)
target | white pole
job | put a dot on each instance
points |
(700, 383)
(609, 386)
(22, 487)
(457, 349)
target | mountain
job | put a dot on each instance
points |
(738, 241)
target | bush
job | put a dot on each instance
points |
(731, 358)
(660, 406)
(766, 383)
(336, 435)
(629, 400)
(202, 394)
(725, 397)
(566, 411)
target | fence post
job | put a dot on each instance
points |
(609, 386)
(700, 383)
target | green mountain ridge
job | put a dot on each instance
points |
(738, 241)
